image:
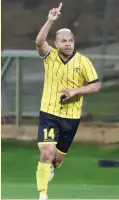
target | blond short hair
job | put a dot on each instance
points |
(64, 30)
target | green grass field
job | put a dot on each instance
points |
(80, 177)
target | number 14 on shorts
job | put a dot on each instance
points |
(48, 134)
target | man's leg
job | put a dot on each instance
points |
(58, 160)
(56, 163)
(48, 133)
(69, 128)
(47, 152)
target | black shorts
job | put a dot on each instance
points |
(53, 129)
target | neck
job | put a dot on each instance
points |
(63, 57)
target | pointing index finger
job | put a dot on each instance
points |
(60, 6)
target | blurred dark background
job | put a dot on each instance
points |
(22, 19)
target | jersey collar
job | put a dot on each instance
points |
(66, 61)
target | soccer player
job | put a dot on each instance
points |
(66, 70)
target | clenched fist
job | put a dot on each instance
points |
(68, 93)
(54, 13)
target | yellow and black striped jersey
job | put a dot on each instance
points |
(60, 75)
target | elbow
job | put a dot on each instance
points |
(38, 42)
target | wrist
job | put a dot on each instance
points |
(50, 21)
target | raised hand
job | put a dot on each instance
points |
(54, 13)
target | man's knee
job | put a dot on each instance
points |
(59, 157)
(47, 152)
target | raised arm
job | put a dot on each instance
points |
(42, 46)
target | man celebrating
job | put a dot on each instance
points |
(65, 73)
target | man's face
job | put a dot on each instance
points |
(65, 43)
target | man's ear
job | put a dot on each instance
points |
(56, 44)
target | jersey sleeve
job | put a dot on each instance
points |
(52, 54)
(88, 71)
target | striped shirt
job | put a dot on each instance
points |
(60, 75)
